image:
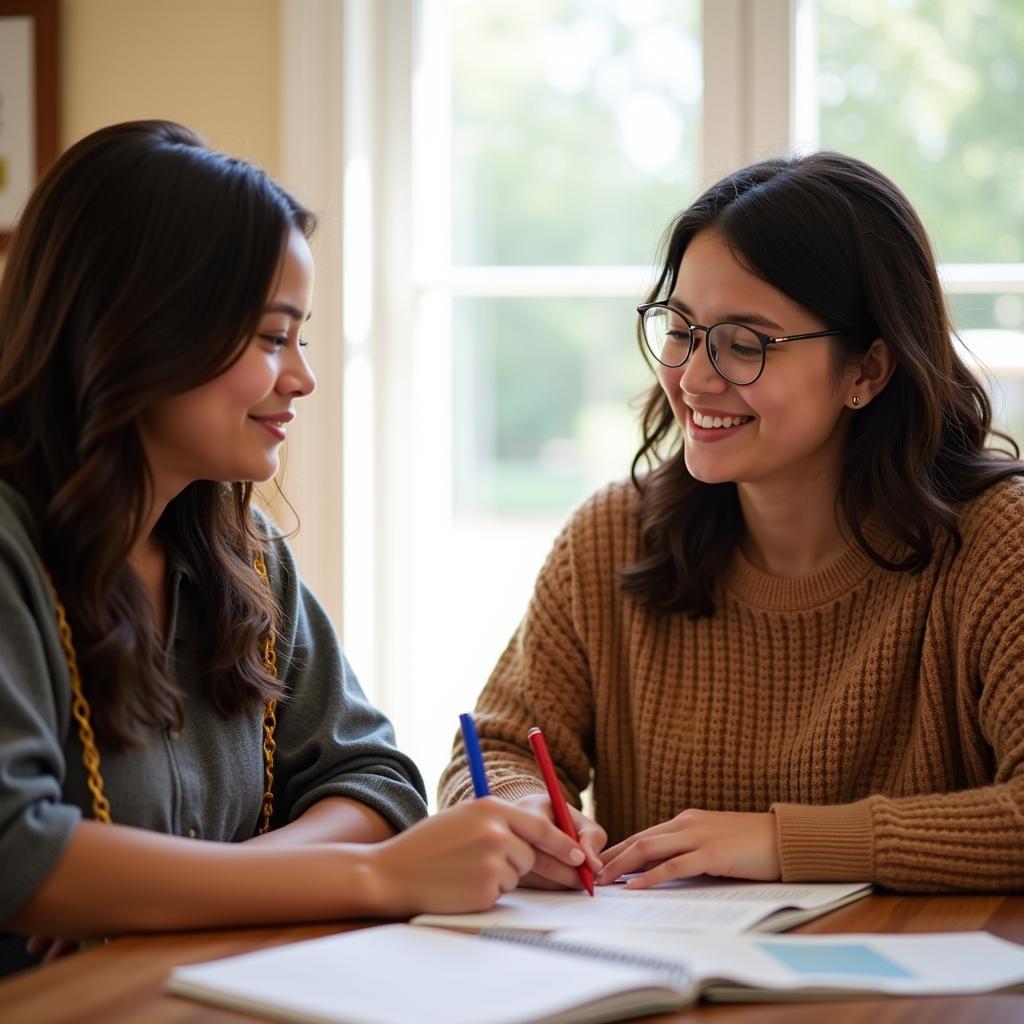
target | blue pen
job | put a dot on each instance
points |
(476, 761)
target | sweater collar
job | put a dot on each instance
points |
(784, 593)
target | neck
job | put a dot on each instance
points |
(791, 529)
(147, 540)
(148, 559)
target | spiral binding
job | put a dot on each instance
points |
(676, 975)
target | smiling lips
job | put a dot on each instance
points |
(274, 423)
(717, 421)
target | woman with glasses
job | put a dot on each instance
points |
(791, 646)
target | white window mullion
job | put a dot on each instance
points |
(749, 109)
(394, 424)
(770, 45)
(311, 166)
(723, 132)
(430, 632)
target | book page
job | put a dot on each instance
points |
(692, 905)
(919, 964)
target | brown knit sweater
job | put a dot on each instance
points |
(878, 714)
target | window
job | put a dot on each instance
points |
(556, 139)
(508, 168)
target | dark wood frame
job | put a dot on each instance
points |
(44, 14)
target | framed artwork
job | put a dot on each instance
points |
(28, 101)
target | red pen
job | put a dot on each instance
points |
(542, 756)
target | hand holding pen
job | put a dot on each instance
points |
(558, 805)
(550, 843)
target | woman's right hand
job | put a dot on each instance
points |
(549, 872)
(462, 859)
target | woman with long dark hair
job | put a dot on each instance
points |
(792, 645)
(182, 743)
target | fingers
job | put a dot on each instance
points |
(532, 880)
(527, 841)
(642, 850)
(591, 839)
(508, 878)
(557, 874)
(499, 836)
(607, 856)
(520, 855)
(686, 865)
(664, 828)
(545, 836)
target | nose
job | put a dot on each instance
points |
(699, 375)
(297, 378)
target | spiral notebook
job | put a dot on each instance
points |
(398, 974)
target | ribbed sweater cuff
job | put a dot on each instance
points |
(513, 789)
(826, 843)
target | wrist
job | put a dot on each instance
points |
(373, 883)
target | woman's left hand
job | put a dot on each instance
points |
(724, 843)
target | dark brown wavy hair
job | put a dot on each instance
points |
(139, 269)
(840, 239)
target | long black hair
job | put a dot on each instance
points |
(139, 269)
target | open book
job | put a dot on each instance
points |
(696, 904)
(397, 974)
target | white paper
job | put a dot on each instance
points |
(701, 904)
(395, 974)
(919, 964)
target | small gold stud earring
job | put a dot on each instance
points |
(855, 400)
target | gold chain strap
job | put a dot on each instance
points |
(270, 710)
(80, 710)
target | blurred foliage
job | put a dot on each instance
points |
(577, 124)
(542, 411)
(929, 91)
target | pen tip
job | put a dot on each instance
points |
(533, 731)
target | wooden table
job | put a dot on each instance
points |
(123, 981)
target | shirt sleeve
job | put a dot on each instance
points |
(968, 840)
(542, 679)
(35, 825)
(330, 740)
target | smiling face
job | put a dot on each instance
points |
(231, 428)
(788, 425)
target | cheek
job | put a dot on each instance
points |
(247, 382)
(668, 378)
(797, 395)
(797, 419)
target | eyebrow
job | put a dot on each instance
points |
(287, 307)
(740, 318)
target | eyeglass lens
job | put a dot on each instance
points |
(734, 349)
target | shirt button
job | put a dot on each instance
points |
(175, 735)
(191, 833)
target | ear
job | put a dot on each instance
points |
(870, 376)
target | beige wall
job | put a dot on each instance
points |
(216, 66)
(212, 64)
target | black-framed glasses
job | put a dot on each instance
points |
(737, 352)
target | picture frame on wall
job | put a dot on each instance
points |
(28, 102)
